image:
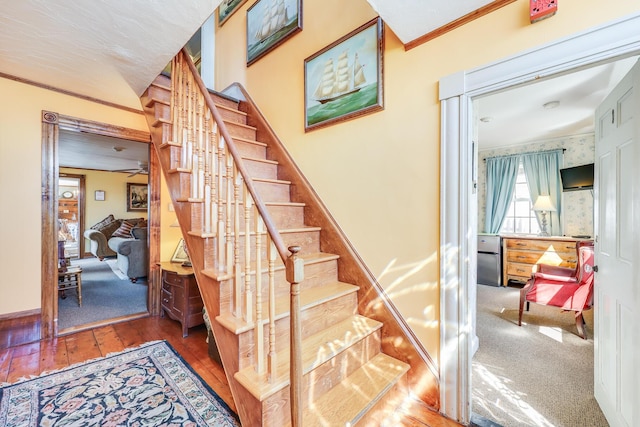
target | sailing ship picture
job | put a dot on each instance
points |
(344, 80)
(228, 8)
(270, 23)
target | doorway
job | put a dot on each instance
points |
(71, 198)
(617, 40)
(53, 123)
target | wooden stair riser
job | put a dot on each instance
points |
(314, 319)
(230, 115)
(276, 408)
(162, 111)
(250, 148)
(316, 275)
(309, 242)
(240, 131)
(284, 216)
(261, 169)
(273, 191)
(158, 92)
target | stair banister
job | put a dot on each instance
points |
(268, 221)
(294, 265)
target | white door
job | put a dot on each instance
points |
(616, 175)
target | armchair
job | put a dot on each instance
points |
(567, 288)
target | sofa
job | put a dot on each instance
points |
(125, 239)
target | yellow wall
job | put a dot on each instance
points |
(20, 173)
(379, 174)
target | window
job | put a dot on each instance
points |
(520, 217)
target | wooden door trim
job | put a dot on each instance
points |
(81, 206)
(52, 123)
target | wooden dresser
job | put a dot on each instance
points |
(521, 253)
(181, 298)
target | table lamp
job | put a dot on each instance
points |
(543, 205)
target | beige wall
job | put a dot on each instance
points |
(379, 174)
(20, 173)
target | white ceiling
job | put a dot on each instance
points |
(109, 50)
(518, 115)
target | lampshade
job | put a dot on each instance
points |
(543, 203)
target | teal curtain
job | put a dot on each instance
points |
(543, 176)
(502, 173)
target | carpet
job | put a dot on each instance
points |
(539, 374)
(104, 296)
(113, 264)
(145, 386)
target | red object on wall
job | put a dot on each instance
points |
(541, 9)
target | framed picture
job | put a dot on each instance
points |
(99, 194)
(228, 8)
(345, 79)
(181, 254)
(137, 197)
(269, 24)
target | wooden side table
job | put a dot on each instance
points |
(70, 279)
(181, 298)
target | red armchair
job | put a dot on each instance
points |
(567, 288)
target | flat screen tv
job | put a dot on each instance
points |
(577, 178)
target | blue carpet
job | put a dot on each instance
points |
(146, 386)
(104, 296)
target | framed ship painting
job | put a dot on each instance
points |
(344, 80)
(228, 8)
(269, 24)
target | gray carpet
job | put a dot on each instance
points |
(104, 296)
(540, 374)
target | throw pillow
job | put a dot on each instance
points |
(110, 228)
(139, 233)
(124, 230)
(103, 223)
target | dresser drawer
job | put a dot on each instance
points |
(549, 257)
(172, 279)
(517, 269)
(541, 245)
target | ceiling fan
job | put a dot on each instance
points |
(143, 168)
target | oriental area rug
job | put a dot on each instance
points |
(145, 386)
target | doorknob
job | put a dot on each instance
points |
(595, 268)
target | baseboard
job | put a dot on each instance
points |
(20, 328)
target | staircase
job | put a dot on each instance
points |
(261, 242)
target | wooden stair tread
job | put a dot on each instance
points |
(316, 350)
(271, 180)
(347, 402)
(308, 298)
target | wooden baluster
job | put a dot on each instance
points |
(172, 103)
(248, 293)
(259, 328)
(184, 159)
(272, 253)
(237, 270)
(295, 275)
(206, 218)
(220, 226)
(230, 203)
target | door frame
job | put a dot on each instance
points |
(598, 45)
(52, 123)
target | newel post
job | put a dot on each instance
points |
(295, 275)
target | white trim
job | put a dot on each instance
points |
(601, 44)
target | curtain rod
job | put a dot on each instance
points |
(526, 153)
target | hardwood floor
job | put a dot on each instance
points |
(34, 358)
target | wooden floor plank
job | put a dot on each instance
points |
(108, 340)
(53, 354)
(6, 354)
(23, 366)
(82, 346)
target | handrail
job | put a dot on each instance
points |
(294, 265)
(262, 208)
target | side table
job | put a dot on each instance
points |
(181, 298)
(70, 279)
